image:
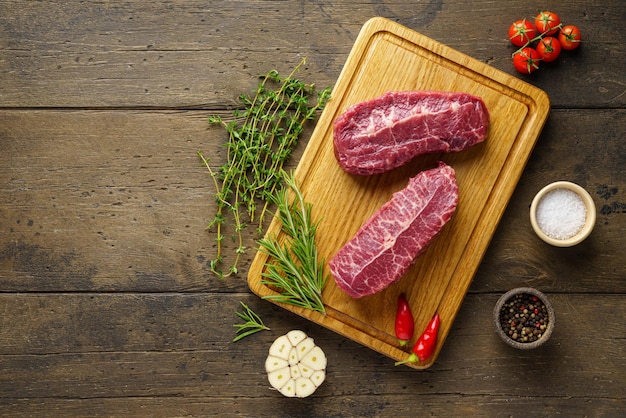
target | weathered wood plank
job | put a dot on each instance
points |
(100, 200)
(108, 307)
(585, 147)
(370, 405)
(128, 350)
(118, 200)
(185, 54)
(374, 405)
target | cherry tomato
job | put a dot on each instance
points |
(570, 37)
(526, 61)
(547, 23)
(521, 32)
(549, 49)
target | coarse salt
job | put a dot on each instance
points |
(561, 213)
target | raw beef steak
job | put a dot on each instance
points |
(388, 243)
(384, 133)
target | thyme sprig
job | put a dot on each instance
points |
(294, 266)
(262, 137)
(253, 323)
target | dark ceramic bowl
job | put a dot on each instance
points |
(515, 337)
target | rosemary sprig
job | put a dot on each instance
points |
(262, 137)
(253, 323)
(293, 267)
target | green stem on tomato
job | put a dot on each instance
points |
(537, 38)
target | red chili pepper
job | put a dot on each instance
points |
(404, 321)
(426, 343)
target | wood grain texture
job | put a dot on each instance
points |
(486, 174)
(193, 54)
(108, 307)
(161, 351)
(72, 207)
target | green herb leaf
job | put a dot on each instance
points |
(262, 137)
(294, 267)
(252, 325)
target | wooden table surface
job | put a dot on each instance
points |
(108, 304)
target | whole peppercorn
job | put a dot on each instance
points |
(525, 316)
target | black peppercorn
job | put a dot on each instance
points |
(525, 316)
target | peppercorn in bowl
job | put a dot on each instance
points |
(524, 318)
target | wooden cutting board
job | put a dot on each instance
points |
(389, 57)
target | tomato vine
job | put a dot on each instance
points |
(541, 41)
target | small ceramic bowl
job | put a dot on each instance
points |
(526, 330)
(590, 218)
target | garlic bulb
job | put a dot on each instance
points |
(295, 366)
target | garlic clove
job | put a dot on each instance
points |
(281, 347)
(279, 377)
(293, 356)
(315, 359)
(296, 336)
(274, 363)
(318, 377)
(304, 387)
(289, 389)
(295, 371)
(305, 371)
(304, 347)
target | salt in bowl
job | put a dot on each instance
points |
(563, 214)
